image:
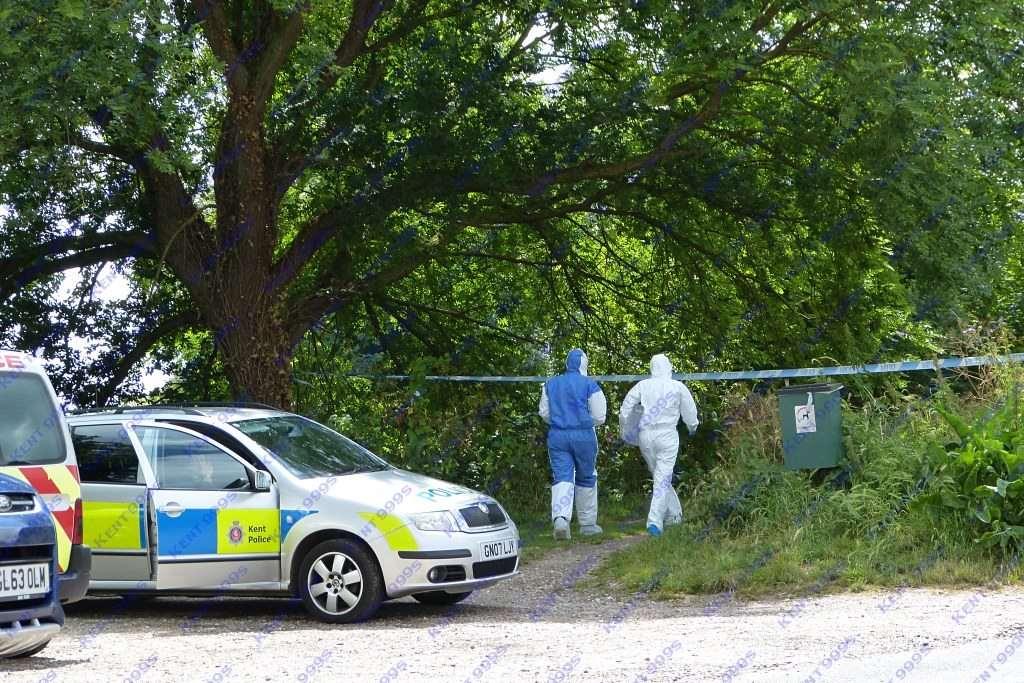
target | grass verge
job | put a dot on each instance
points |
(754, 529)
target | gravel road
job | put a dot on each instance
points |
(542, 627)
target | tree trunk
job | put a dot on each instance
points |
(257, 357)
(234, 290)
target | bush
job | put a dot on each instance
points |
(978, 479)
(752, 528)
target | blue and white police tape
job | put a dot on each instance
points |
(781, 373)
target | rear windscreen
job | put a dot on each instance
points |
(31, 431)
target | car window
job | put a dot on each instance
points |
(184, 461)
(308, 449)
(32, 431)
(106, 455)
(219, 436)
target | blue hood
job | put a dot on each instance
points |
(33, 528)
(576, 361)
(569, 394)
(9, 484)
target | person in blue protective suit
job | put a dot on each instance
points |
(573, 405)
(648, 418)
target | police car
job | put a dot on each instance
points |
(35, 449)
(210, 499)
(30, 611)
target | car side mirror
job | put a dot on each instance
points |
(261, 480)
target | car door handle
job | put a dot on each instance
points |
(171, 509)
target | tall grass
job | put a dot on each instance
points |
(752, 527)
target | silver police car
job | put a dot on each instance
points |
(208, 499)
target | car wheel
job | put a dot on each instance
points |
(441, 598)
(28, 653)
(339, 582)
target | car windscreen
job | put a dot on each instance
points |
(308, 449)
(31, 426)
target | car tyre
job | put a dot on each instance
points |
(28, 653)
(340, 582)
(441, 598)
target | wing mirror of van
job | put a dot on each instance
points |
(261, 480)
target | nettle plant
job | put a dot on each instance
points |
(980, 476)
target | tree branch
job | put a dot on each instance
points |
(306, 313)
(144, 342)
(218, 35)
(407, 28)
(588, 170)
(462, 316)
(777, 50)
(75, 138)
(89, 249)
(37, 271)
(364, 14)
(287, 29)
(410, 327)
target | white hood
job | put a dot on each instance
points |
(407, 492)
(660, 387)
(661, 366)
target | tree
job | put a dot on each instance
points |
(260, 167)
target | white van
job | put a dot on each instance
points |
(35, 447)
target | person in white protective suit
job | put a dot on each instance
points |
(573, 405)
(648, 418)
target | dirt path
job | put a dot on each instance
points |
(539, 625)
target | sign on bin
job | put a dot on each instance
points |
(805, 422)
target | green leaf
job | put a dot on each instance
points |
(983, 514)
(952, 500)
(72, 9)
(970, 481)
(1014, 490)
(991, 445)
(936, 456)
(967, 457)
(954, 421)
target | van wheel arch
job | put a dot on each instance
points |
(316, 538)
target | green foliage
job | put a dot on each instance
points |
(752, 528)
(850, 196)
(979, 479)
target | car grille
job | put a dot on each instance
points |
(12, 627)
(482, 570)
(20, 502)
(26, 553)
(20, 608)
(475, 517)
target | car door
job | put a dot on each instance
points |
(115, 504)
(216, 521)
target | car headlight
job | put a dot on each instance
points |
(442, 520)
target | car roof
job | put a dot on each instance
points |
(188, 413)
(31, 364)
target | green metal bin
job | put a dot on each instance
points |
(812, 425)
